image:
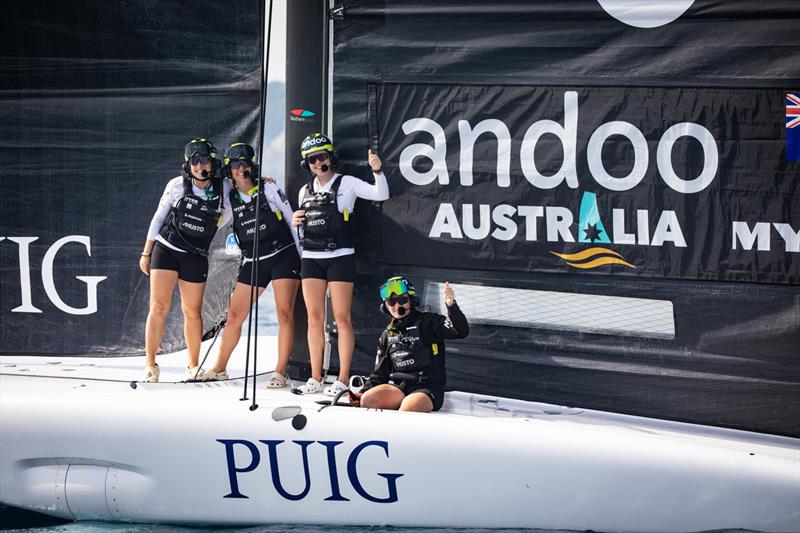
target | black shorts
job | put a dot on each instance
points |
(432, 390)
(190, 267)
(283, 265)
(341, 268)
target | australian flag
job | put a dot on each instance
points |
(793, 126)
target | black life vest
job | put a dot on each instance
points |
(192, 221)
(406, 349)
(325, 228)
(273, 233)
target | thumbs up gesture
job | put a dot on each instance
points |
(449, 294)
(374, 161)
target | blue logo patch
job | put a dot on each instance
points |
(231, 246)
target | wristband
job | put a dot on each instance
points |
(146, 255)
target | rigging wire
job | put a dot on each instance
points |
(254, 269)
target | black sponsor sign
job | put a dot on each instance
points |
(92, 131)
(688, 183)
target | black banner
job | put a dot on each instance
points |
(659, 182)
(636, 72)
(97, 100)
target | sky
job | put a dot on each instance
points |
(277, 64)
(274, 138)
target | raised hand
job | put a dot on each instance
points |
(449, 294)
(374, 161)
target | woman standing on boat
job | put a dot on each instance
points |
(176, 251)
(278, 258)
(326, 205)
(410, 372)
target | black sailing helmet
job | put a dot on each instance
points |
(240, 152)
(203, 151)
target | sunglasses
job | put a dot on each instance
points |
(239, 163)
(318, 158)
(398, 300)
(199, 159)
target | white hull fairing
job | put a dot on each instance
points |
(87, 447)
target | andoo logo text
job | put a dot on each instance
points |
(567, 134)
(292, 462)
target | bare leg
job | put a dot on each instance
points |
(238, 309)
(162, 283)
(418, 402)
(314, 295)
(285, 295)
(382, 397)
(341, 301)
(192, 305)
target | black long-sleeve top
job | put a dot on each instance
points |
(434, 328)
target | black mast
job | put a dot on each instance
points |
(306, 113)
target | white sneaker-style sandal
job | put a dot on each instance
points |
(312, 386)
(210, 375)
(336, 388)
(276, 380)
(195, 374)
(151, 374)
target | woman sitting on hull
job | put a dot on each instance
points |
(278, 258)
(176, 251)
(326, 205)
(409, 370)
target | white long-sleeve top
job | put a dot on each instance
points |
(277, 201)
(350, 189)
(174, 192)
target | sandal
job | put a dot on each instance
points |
(211, 375)
(336, 388)
(195, 374)
(312, 386)
(151, 374)
(277, 380)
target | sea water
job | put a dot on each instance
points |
(15, 520)
(18, 520)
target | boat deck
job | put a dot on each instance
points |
(109, 373)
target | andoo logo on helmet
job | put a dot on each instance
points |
(315, 142)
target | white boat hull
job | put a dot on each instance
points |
(89, 449)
